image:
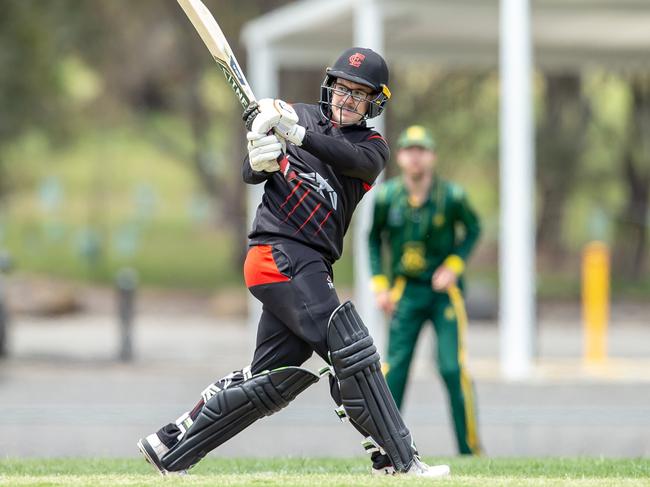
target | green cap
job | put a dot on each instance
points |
(416, 135)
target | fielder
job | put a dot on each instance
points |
(417, 216)
(332, 160)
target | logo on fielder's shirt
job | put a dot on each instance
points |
(356, 59)
(330, 283)
(320, 184)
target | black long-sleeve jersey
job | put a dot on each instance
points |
(327, 177)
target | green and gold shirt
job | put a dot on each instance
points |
(444, 229)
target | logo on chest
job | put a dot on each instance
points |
(319, 184)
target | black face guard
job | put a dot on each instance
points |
(375, 105)
(331, 108)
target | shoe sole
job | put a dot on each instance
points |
(150, 456)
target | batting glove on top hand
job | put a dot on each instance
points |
(264, 150)
(276, 115)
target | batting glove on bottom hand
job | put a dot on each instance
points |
(264, 151)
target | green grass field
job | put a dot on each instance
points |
(301, 472)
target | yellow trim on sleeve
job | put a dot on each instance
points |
(398, 289)
(379, 283)
(455, 263)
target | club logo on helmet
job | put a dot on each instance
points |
(356, 59)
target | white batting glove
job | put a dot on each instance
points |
(281, 117)
(264, 150)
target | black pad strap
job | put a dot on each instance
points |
(364, 392)
(355, 357)
(231, 410)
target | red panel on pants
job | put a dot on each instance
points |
(260, 267)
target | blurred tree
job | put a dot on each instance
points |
(145, 61)
(140, 65)
(461, 107)
(631, 236)
(560, 143)
(153, 62)
(32, 40)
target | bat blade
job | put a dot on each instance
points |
(212, 36)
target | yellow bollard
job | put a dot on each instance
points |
(595, 301)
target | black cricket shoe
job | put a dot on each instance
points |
(153, 450)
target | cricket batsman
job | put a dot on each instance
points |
(316, 163)
(429, 228)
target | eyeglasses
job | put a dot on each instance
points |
(342, 90)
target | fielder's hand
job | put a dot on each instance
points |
(443, 278)
(276, 115)
(264, 150)
(385, 302)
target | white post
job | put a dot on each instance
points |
(262, 73)
(368, 32)
(517, 192)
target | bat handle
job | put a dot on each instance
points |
(285, 167)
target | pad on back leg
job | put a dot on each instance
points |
(231, 410)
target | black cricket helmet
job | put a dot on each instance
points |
(363, 66)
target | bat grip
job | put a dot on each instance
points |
(285, 167)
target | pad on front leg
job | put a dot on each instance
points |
(364, 393)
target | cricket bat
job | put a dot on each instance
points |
(212, 36)
(216, 42)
